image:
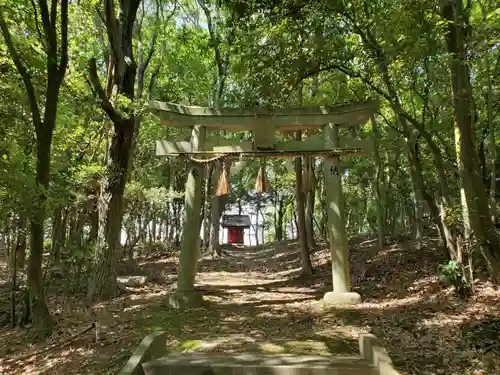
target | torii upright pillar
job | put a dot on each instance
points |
(186, 295)
(337, 235)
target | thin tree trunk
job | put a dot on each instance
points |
(103, 283)
(281, 216)
(257, 210)
(94, 221)
(492, 148)
(464, 112)
(217, 208)
(377, 177)
(207, 211)
(310, 201)
(58, 226)
(300, 215)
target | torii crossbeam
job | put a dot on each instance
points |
(264, 123)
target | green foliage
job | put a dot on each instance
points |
(453, 216)
(451, 273)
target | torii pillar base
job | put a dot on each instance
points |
(346, 298)
(186, 300)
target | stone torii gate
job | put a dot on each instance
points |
(264, 123)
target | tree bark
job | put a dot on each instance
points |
(310, 200)
(464, 112)
(377, 177)
(280, 218)
(58, 229)
(56, 64)
(103, 283)
(216, 209)
(300, 214)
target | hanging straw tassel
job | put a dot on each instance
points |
(261, 184)
(223, 184)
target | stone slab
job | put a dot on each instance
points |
(372, 351)
(132, 281)
(197, 363)
(151, 347)
(184, 300)
(150, 359)
(347, 298)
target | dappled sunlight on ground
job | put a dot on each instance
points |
(257, 301)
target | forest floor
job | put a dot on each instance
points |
(256, 301)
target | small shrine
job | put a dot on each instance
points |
(235, 225)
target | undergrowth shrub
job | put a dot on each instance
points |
(453, 273)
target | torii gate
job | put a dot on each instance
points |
(264, 123)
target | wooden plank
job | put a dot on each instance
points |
(284, 119)
(213, 146)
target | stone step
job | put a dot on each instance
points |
(199, 363)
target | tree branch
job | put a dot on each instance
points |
(49, 31)
(37, 24)
(44, 12)
(152, 42)
(30, 90)
(53, 14)
(63, 64)
(111, 27)
(96, 84)
(213, 36)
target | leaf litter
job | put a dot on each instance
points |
(257, 301)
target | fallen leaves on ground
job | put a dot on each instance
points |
(257, 301)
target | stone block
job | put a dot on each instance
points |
(347, 298)
(184, 300)
(372, 351)
(132, 281)
(151, 347)
(257, 364)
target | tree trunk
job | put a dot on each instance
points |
(492, 148)
(280, 219)
(40, 314)
(377, 177)
(300, 214)
(216, 210)
(94, 221)
(206, 203)
(103, 283)
(58, 228)
(310, 201)
(257, 219)
(464, 112)
(420, 192)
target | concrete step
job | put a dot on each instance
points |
(198, 363)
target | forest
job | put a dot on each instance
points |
(92, 217)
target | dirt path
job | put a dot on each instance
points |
(256, 301)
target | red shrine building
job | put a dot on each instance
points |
(235, 225)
